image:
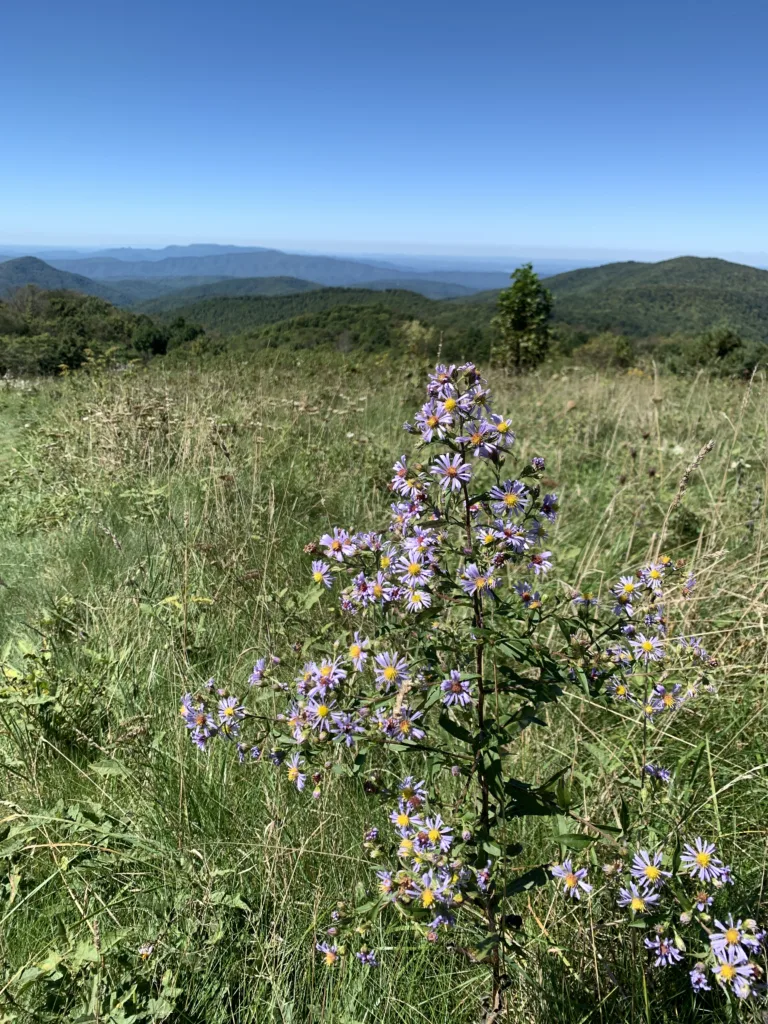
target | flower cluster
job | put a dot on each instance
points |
(675, 902)
(451, 634)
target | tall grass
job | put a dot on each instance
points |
(153, 526)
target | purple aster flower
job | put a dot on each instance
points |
(400, 725)
(475, 582)
(403, 818)
(321, 573)
(647, 649)
(652, 575)
(698, 978)
(432, 420)
(512, 534)
(538, 464)
(438, 833)
(231, 711)
(658, 773)
(487, 536)
(619, 689)
(320, 715)
(733, 972)
(367, 958)
(702, 900)
(295, 775)
(689, 586)
(428, 889)
(510, 498)
(623, 606)
(259, 671)
(505, 435)
(327, 676)
(456, 689)
(480, 436)
(337, 545)
(732, 937)
(358, 651)
(345, 728)
(382, 589)
(418, 600)
(390, 669)
(529, 597)
(549, 507)
(371, 835)
(443, 375)
(540, 562)
(646, 867)
(627, 587)
(412, 570)
(413, 792)
(638, 900)
(726, 875)
(386, 884)
(664, 949)
(670, 698)
(451, 472)
(700, 860)
(330, 953)
(572, 879)
(585, 598)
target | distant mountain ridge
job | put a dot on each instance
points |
(232, 261)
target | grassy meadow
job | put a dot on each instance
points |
(152, 527)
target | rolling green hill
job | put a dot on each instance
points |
(687, 295)
(28, 270)
(247, 313)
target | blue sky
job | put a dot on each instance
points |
(348, 126)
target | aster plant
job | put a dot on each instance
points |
(453, 637)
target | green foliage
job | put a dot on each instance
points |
(522, 320)
(50, 332)
(607, 351)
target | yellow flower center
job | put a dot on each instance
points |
(451, 471)
(511, 499)
(732, 936)
(229, 711)
(651, 872)
(703, 859)
(378, 590)
(335, 545)
(432, 422)
(323, 711)
(317, 577)
(637, 904)
(655, 574)
(647, 646)
(293, 774)
(385, 561)
(502, 427)
(449, 404)
(403, 820)
(406, 847)
(405, 727)
(389, 673)
(477, 438)
(355, 651)
(427, 898)
(629, 588)
(325, 670)
(668, 700)
(414, 568)
(331, 958)
(621, 691)
(571, 880)
(433, 835)
(727, 972)
(480, 582)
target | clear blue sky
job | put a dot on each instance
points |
(353, 125)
